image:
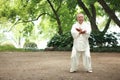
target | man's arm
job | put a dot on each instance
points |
(81, 31)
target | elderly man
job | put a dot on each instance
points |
(80, 33)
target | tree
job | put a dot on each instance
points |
(91, 13)
(109, 11)
(63, 13)
(56, 15)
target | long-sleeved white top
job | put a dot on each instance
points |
(81, 42)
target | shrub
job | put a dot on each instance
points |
(108, 40)
(30, 45)
(63, 41)
(7, 47)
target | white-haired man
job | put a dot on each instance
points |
(80, 33)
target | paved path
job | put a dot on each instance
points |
(53, 65)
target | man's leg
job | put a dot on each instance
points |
(74, 60)
(87, 60)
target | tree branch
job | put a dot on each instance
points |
(93, 12)
(106, 26)
(34, 19)
(57, 18)
(59, 6)
(17, 22)
(81, 4)
(54, 11)
(14, 25)
(110, 12)
(91, 19)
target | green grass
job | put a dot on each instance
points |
(13, 49)
(106, 49)
(10, 48)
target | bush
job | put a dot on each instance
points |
(61, 41)
(106, 49)
(108, 40)
(65, 42)
(7, 47)
(30, 45)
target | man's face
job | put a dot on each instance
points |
(80, 18)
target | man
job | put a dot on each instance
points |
(80, 33)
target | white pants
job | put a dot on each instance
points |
(75, 59)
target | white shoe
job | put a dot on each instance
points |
(90, 71)
(72, 71)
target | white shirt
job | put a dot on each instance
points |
(80, 42)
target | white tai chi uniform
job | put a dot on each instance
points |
(80, 47)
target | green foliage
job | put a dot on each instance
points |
(68, 14)
(27, 11)
(114, 4)
(106, 49)
(13, 49)
(71, 5)
(27, 31)
(2, 38)
(67, 18)
(30, 45)
(7, 47)
(65, 42)
(89, 1)
(61, 41)
(108, 40)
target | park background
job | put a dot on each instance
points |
(45, 24)
(35, 39)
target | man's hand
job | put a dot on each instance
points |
(80, 30)
(83, 32)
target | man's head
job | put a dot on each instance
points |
(80, 18)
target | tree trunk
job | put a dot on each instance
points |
(92, 18)
(110, 12)
(57, 18)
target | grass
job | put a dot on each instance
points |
(13, 49)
